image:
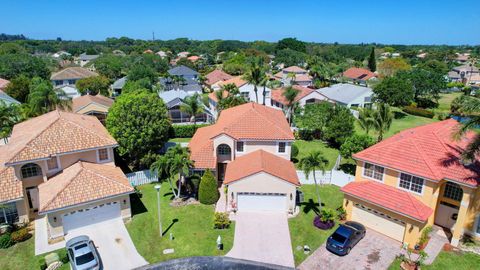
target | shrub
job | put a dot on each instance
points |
(208, 192)
(20, 235)
(327, 215)
(418, 112)
(184, 131)
(294, 151)
(425, 235)
(341, 213)
(355, 144)
(222, 221)
(442, 116)
(6, 241)
(317, 222)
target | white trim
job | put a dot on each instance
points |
(475, 225)
(368, 177)
(12, 200)
(260, 172)
(109, 158)
(409, 190)
(397, 170)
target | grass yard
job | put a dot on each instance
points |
(180, 140)
(305, 147)
(191, 226)
(448, 260)
(445, 101)
(302, 230)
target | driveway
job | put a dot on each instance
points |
(262, 237)
(375, 251)
(113, 243)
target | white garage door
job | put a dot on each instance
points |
(255, 202)
(379, 222)
(88, 216)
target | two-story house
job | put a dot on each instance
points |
(59, 168)
(415, 179)
(294, 75)
(248, 149)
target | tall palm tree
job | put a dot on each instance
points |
(254, 75)
(290, 95)
(193, 106)
(365, 119)
(264, 82)
(470, 109)
(311, 163)
(43, 98)
(292, 76)
(382, 119)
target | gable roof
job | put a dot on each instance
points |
(294, 69)
(71, 73)
(11, 188)
(182, 71)
(120, 83)
(261, 161)
(427, 151)
(172, 97)
(359, 73)
(54, 133)
(216, 76)
(277, 94)
(237, 81)
(389, 197)
(80, 183)
(248, 121)
(345, 93)
(83, 101)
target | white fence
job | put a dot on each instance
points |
(141, 177)
(334, 177)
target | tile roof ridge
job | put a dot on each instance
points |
(68, 182)
(103, 176)
(267, 119)
(82, 127)
(425, 159)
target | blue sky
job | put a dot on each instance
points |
(393, 22)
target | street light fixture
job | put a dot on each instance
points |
(157, 188)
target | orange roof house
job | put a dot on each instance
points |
(359, 74)
(217, 76)
(96, 105)
(305, 96)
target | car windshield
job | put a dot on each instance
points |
(339, 238)
(85, 258)
(80, 246)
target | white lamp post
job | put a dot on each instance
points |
(157, 188)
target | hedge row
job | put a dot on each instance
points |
(418, 112)
(184, 131)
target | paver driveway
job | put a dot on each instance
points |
(375, 251)
(262, 237)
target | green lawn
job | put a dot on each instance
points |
(305, 147)
(302, 230)
(445, 101)
(191, 226)
(448, 260)
(180, 140)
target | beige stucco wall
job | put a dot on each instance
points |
(262, 183)
(93, 107)
(268, 146)
(55, 229)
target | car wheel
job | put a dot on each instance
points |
(348, 250)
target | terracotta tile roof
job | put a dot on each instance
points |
(80, 183)
(73, 73)
(193, 58)
(295, 69)
(261, 161)
(3, 83)
(213, 95)
(278, 97)
(389, 198)
(278, 75)
(10, 186)
(427, 151)
(359, 73)
(303, 78)
(238, 81)
(82, 101)
(216, 76)
(56, 132)
(248, 121)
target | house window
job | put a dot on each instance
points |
(281, 147)
(52, 164)
(373, 171)
(103, 154)
(71, 81)
(411, 182)
(31, 170)
(240, 146)
(8, 213)
(223, 150)
(453, 191)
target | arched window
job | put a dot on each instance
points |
(224, 150)
(31, 170)
(453, 191)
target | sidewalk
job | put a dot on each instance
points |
(41, 238)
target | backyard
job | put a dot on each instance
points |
(191, 227)
(305, 147)
(302, 231)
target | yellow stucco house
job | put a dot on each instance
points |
(416, 179)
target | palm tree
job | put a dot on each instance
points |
(469, 107)
(254, 75)
(192, 106)
(290, 95)
(264, 82)
(382, 119)
(311, 163)
(228, 96)
(292, 76)
(365, 119)
(43, 98)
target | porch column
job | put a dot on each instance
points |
(462, 214)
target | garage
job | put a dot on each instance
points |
(260, 202)
(87, 216)
(379, 221)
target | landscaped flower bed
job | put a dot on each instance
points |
(317, 222)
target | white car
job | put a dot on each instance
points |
(82, 254)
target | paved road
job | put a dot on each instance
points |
(262, 237)
(373, 252)
(113, 243)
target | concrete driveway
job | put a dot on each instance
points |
(262, 237)
(375, 251)
(113, 243)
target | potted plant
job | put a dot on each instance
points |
(408, 263)
(325, 220)
(424, 238)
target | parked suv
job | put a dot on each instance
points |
(345, 237)
(82, 254)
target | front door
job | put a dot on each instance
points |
(446, 215)
(32, 195)
(221, 172)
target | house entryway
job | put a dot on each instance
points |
(32, 196)
(446, 215)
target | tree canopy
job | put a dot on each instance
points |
(93, 85)
(394, 91)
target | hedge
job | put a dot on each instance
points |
(418, 112)
(184, 131)
(208, 190)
